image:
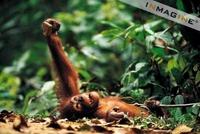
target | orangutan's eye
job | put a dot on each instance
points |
(76, 98)
(90, 96)
(80, 99)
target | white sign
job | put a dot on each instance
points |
(166, 12)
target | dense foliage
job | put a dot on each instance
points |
(117, 49)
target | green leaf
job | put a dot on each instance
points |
(179, 99)
(148, 26)
(196, 67)
(182, 62)
(180, 5)
(93, 53)
(197, 78)
(139, 66)
(158, 51)
(177, 74)
(112, 33)
(166, 37)
(177, 114)
(137, 92)
(111, 24)
(195, 109)
(166, 100)
(85, 74)
(49, 85)
(28, 100)
(172, 63)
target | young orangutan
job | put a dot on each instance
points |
(74, 105)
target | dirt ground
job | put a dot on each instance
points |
(11, 123)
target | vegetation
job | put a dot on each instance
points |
(117, 50)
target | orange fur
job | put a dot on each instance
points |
(107, 103)
(66, 77)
